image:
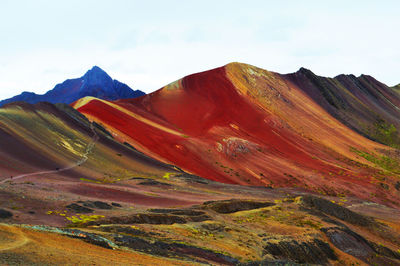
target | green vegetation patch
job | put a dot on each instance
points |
(82, 219)
(385, 162)
(168, 175)
(385, 133)
(89, 180)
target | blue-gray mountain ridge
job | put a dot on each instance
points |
(96, 82)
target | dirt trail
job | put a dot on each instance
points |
(19, 241)
(83, 159)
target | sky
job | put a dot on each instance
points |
(148, 44)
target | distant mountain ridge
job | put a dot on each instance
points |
(96, 82)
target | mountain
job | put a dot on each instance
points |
(96, 82)
(361, 103)
(240, 124)
(296, 185)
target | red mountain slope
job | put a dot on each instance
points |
(244, 125)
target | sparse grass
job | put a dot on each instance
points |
(61, 213)
(89, 180)
(387, 163)
(385, 133)
(82, 219)
(167, 175)
(310, 223)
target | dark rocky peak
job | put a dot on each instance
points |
(97, 76)
(371, 81)
(95, 71)
(305, 71)
(345, 76)
(365, 76)
(305, 74)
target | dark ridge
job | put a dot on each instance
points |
(4, 214)
(177, 217)
(126, 230)
(142, 218)
(74, 114)
(78, 208)
(174, 249)
(315, 251)
(358, 102)
(91, 239)
(324, 86)
(231, 206)
(192, 178)
(357, 246)
(349, 242)
(153, 183)
(337, 211)
(186, 212)
(345, 76)
(102, 129)
(14, 104)
(97, 205)
(304, 71)
(130, 146)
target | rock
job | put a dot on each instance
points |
(349, 242)
(199, 218)
(213, 227)
(78, 208)
(231, 206)
(4, 214)
(102, 205)
(97, 205)
(384, 186)
(193, 178)
(153, 183)
(126, 230)
(174, 249)
(384, 251)
(335, 210)
(357, 246)
(315, 251)
(187, 212)
(91, 238)
(142, 218)
(116, 204)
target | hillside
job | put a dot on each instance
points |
(362, 103)
(239, 124)
(72, 192)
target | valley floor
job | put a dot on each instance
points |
(222, 225)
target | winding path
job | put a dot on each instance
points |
(83, 159)
(20, 238)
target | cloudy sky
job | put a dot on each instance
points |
(148, 44)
